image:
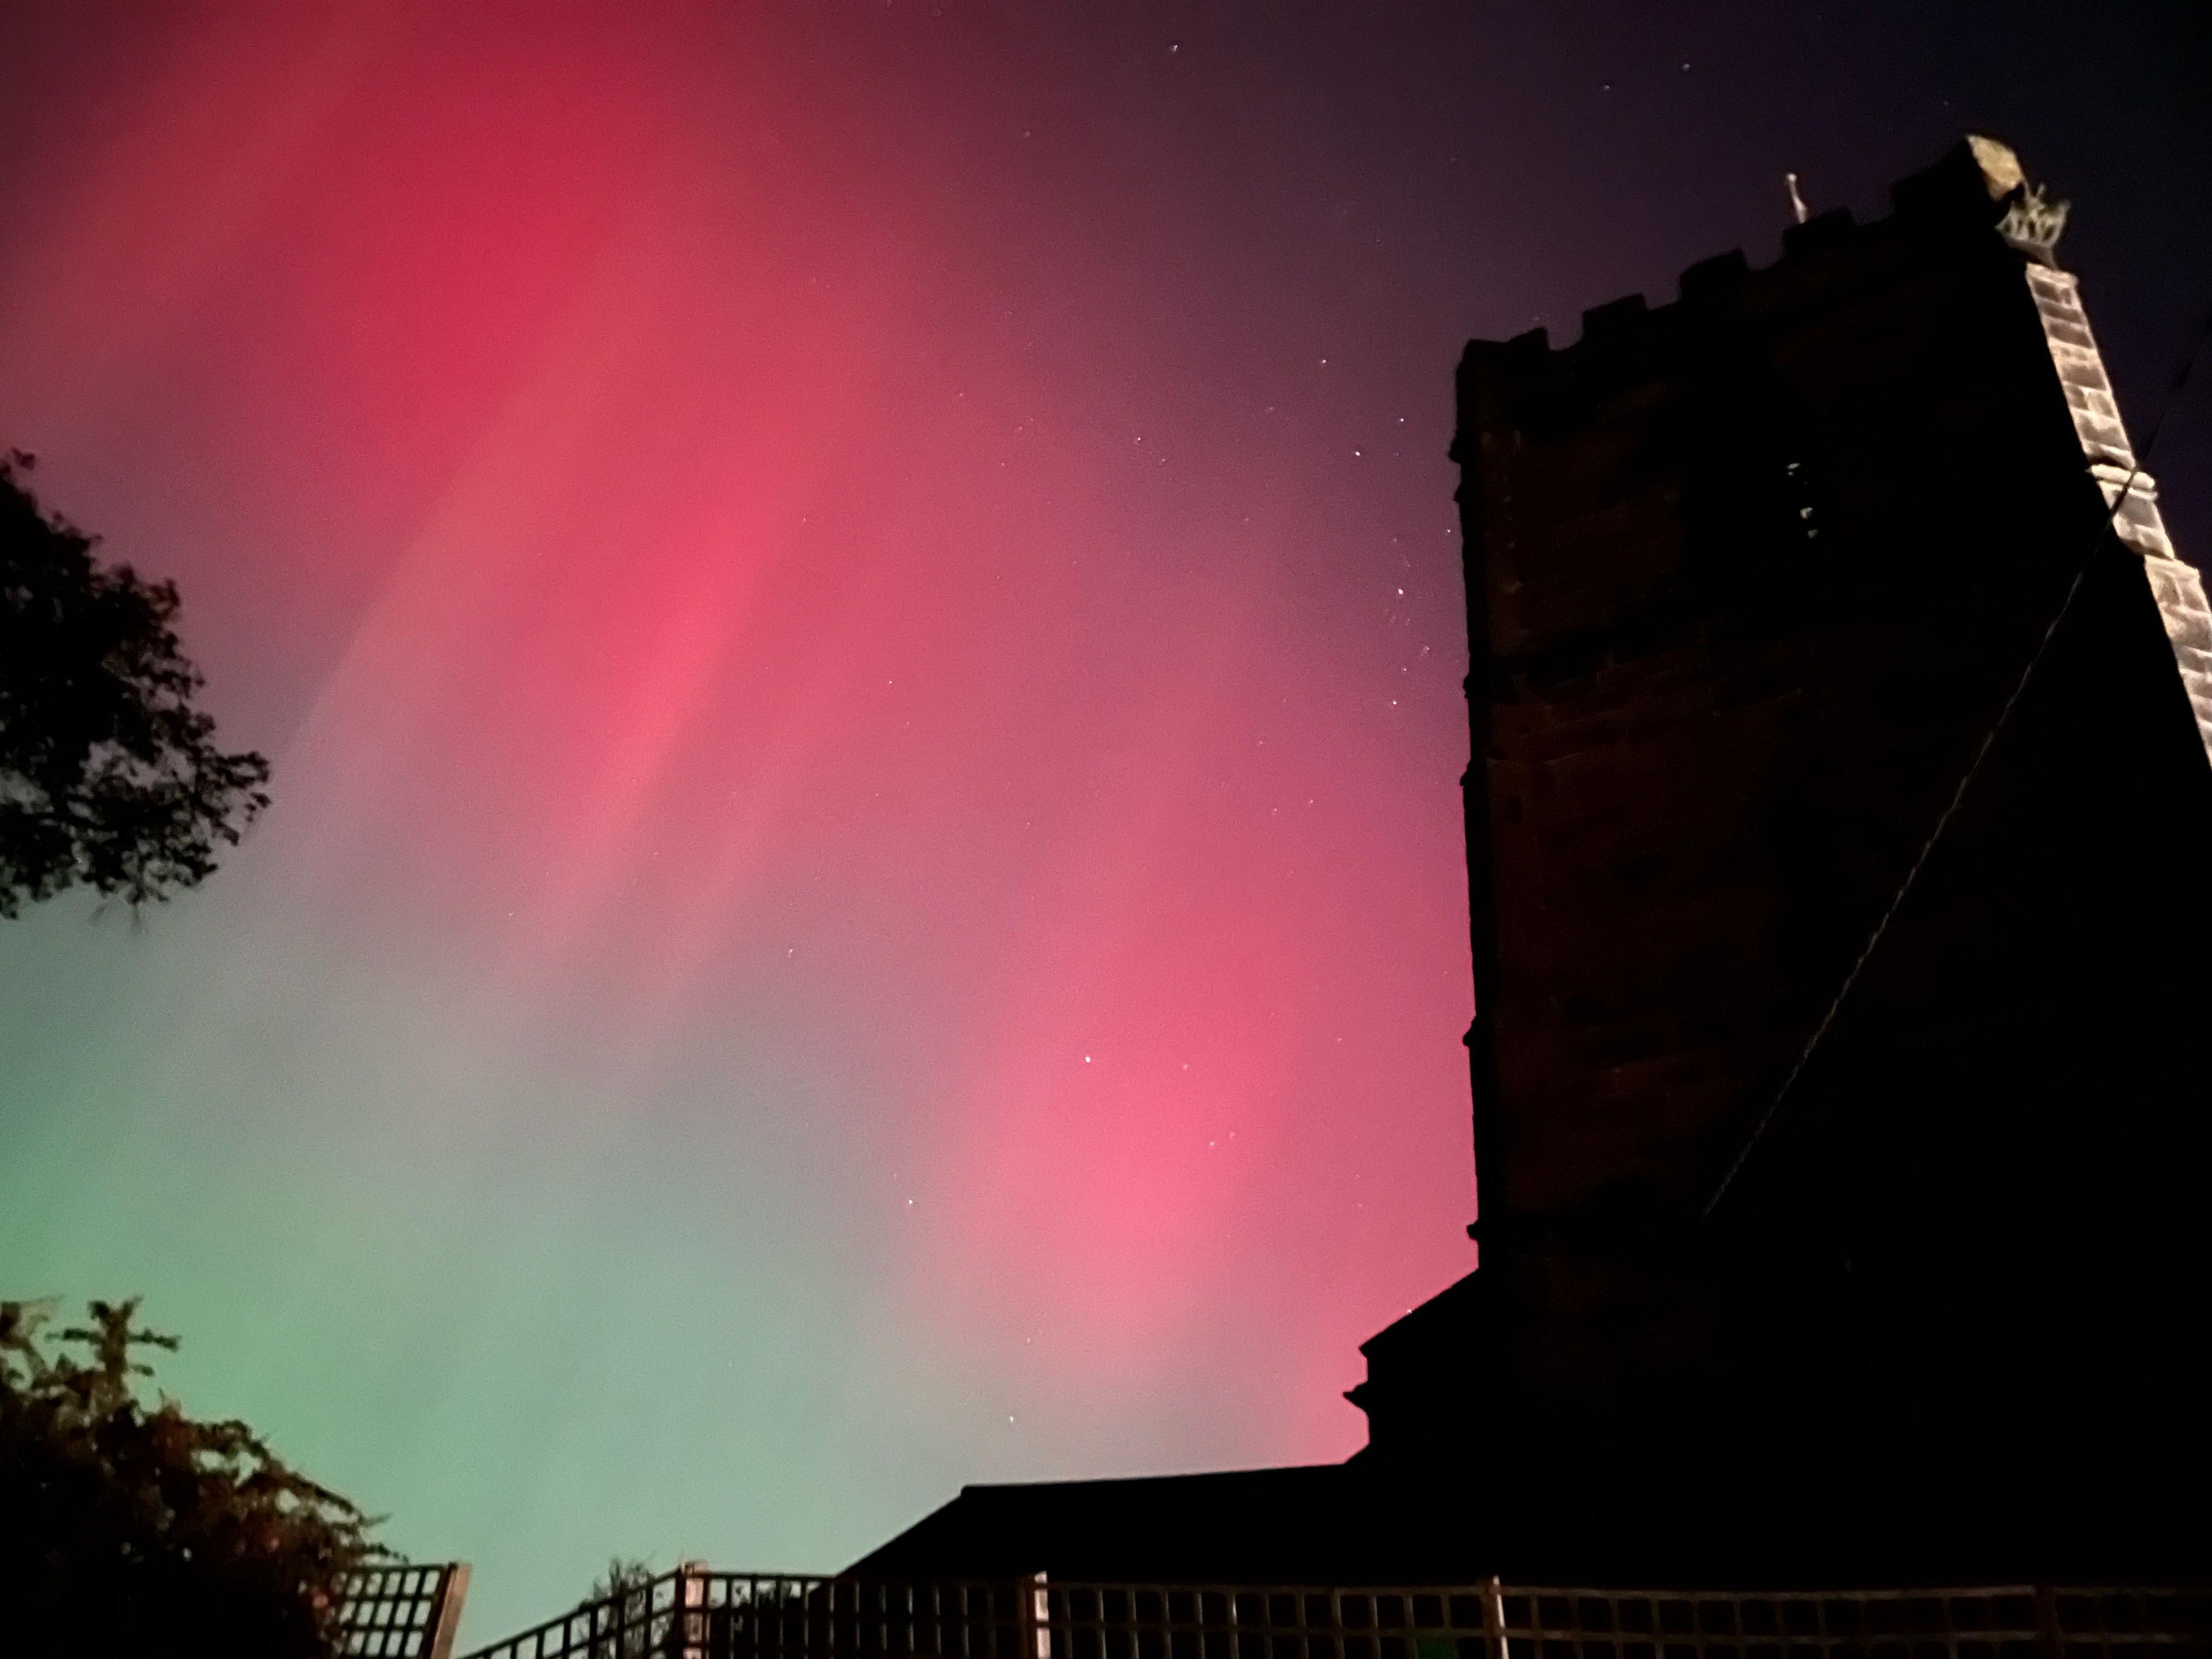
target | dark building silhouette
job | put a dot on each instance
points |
(1826, 1236)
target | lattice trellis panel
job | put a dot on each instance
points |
(696, 1614)
(402, 1611)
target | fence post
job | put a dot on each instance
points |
(2047, 1635)
(447, 1620)
(1493, 1615)
(688, 1619)
(1034, 1609)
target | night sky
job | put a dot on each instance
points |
(857, 610)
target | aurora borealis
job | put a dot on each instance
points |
(857, 612)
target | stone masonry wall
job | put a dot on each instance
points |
(2176, 585)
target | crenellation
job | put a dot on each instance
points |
(1714, 279)
(1618, 322)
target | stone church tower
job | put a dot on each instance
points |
(1836, 832)
(1824, 1229)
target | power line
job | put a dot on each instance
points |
(1973, 767)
